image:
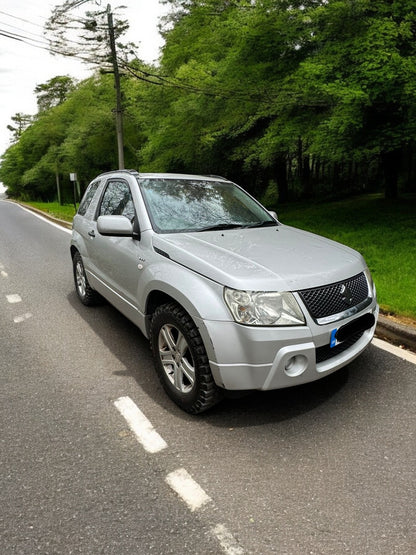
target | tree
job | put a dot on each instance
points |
(53, 92)
(323, 86)
(21, 122)
(360, 76)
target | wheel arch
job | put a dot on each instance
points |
(73, 250)
(155, 299)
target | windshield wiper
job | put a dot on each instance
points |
(218, 227)
(267, 223)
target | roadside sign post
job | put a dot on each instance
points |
(73, 178)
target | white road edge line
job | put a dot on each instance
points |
(401, 353)
(142, 428)
(227, 541)
(186, 487)
(44, 219)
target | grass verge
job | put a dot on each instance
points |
(62, 212)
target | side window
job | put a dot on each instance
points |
(87, 198)
(117, 200)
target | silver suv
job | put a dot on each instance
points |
(229, 297)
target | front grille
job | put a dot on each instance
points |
(332, 299)
(326, 352)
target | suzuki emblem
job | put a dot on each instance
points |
(346, 295)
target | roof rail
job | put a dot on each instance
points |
(217, 176)
(121, 171)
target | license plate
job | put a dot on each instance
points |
(333, 340)
(338, 335)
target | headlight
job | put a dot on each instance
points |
(371, 286)
(263, 308)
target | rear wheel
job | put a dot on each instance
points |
(181, 360)
(85, 293)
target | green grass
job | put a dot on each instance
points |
(62, 212)
(384, 232)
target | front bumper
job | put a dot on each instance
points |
(265, 358)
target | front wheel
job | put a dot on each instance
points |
(181, 360)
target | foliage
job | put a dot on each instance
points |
(20, 123)
(54, 92)
(306, 98)
(75, 136)
(65, 212)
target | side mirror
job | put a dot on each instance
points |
(273, 214)
(116, 226)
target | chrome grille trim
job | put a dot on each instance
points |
(345, 314)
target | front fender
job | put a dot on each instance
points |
(201, 297)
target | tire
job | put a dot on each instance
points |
(85, 293)
(181, 360)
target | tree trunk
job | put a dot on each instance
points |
(390, 163)
(306, 177)
(58, 187)
(281, 178)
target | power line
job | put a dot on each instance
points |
(21, 30)
(49, 45)
(29, 42)
(21, 19)
(21, 38)
(179, 84)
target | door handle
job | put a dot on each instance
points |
(91, 233)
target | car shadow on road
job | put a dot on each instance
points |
(277, 405)
(122, 338)
(131, 348)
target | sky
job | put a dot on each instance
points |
(23, 66)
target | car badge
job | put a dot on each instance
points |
(346, 295)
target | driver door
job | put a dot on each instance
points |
(116, 258)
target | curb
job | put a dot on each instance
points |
(396, 333)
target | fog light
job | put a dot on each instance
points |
(296, 365)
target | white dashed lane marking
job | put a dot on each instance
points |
(179, 480)
(227, 541)
(12, 299)
(22, 318)
(186, 487)
(140, 425)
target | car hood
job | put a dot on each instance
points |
(280, 258)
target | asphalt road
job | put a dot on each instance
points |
(320, 469)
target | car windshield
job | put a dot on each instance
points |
(184, 205)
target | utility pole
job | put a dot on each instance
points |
(119, 110)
